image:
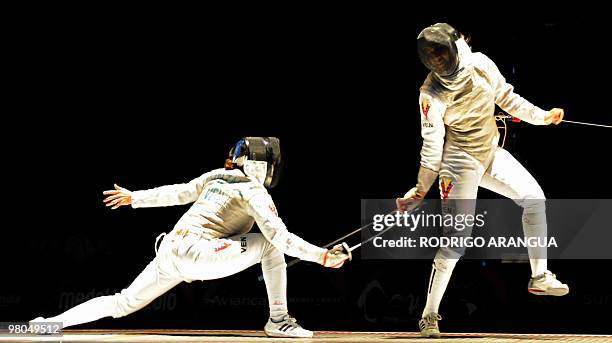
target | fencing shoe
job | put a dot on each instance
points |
(429, 325)
(286, 327)
(547, 284)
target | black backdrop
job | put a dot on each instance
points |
(148, 100)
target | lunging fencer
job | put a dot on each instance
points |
(460, 146)
(212, 239)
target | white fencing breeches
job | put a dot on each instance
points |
(460, 176)
(188, 258)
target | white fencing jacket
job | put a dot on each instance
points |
(228, 203)
(459, 110)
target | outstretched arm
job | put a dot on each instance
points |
(262, 209)
(170, 195)
(517, 106)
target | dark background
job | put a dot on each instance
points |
(150, 99)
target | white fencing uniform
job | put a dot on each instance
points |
(460, 140)
(210, 241)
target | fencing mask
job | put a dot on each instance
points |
(260, 159)
(437, 48)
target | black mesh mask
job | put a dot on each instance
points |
(437, 49)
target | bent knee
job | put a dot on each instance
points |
(534, 204)
(536, 194)
(268, 249)
(271, 253)
(533, 199)
(532, 191)
(124, 304)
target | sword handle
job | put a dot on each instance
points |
(347, 250)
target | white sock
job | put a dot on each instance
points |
(538, 266)
(534, 225)
(274, 271)
(441, 272)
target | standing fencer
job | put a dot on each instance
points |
(460, 145)
(212, 239)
